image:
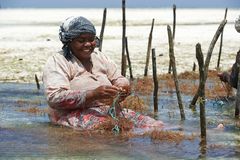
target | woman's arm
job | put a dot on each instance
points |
(56, 80)
(117, 79)
(69, 99)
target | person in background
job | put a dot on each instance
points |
(232, 77)
(81, 83)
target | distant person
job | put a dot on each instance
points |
(80, 82)
(232, 78)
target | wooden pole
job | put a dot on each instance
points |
(207, 60)
(194, 67)
(172, 60)
(149, 49)
(174, 21)
(128, 58)
(221, 41)
(37, 82)
(123, 69)
(155, 80)
(102, 29)
(174, 26)
(211, 47)
(199, 57)
(237, 106)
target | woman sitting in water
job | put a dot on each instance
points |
(80, 83)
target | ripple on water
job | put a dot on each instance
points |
(25, 134)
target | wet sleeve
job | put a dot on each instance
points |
(56, 80)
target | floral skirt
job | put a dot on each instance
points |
(93, 117)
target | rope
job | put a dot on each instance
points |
(113, 114)
(218, 100)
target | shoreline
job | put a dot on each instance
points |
(25, 49)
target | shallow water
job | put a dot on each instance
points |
(28, 135)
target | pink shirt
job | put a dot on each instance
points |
(66, 81)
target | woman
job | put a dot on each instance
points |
(80, 83)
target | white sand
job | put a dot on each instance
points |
(29, 36)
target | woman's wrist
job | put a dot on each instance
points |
(90, 96)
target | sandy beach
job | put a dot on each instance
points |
(29, 36)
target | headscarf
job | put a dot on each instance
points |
(71, 28)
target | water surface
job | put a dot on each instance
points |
(28, 135)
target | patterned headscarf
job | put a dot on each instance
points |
(71, 28)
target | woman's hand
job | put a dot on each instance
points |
(103, 94)
(106, 91)
(224, 77)
(125, 90)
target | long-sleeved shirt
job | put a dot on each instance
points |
(67, 81)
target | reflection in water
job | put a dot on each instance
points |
(30, 134)
(203, 148)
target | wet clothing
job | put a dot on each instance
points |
(93, 117)
(233, 78)
(66, 83)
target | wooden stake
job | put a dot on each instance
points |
(172, 60)
(128, 58)
(221, 41)
(155, 80)
(207, 61)
(199, 57)
(149, 49)
(102, 29)
(37, 82)
(123, 69)
(174, 26)
(194, 67)
(174, 21)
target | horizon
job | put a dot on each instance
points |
(118, 3)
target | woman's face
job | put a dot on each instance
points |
(83, 46)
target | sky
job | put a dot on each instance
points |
(118, 3)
